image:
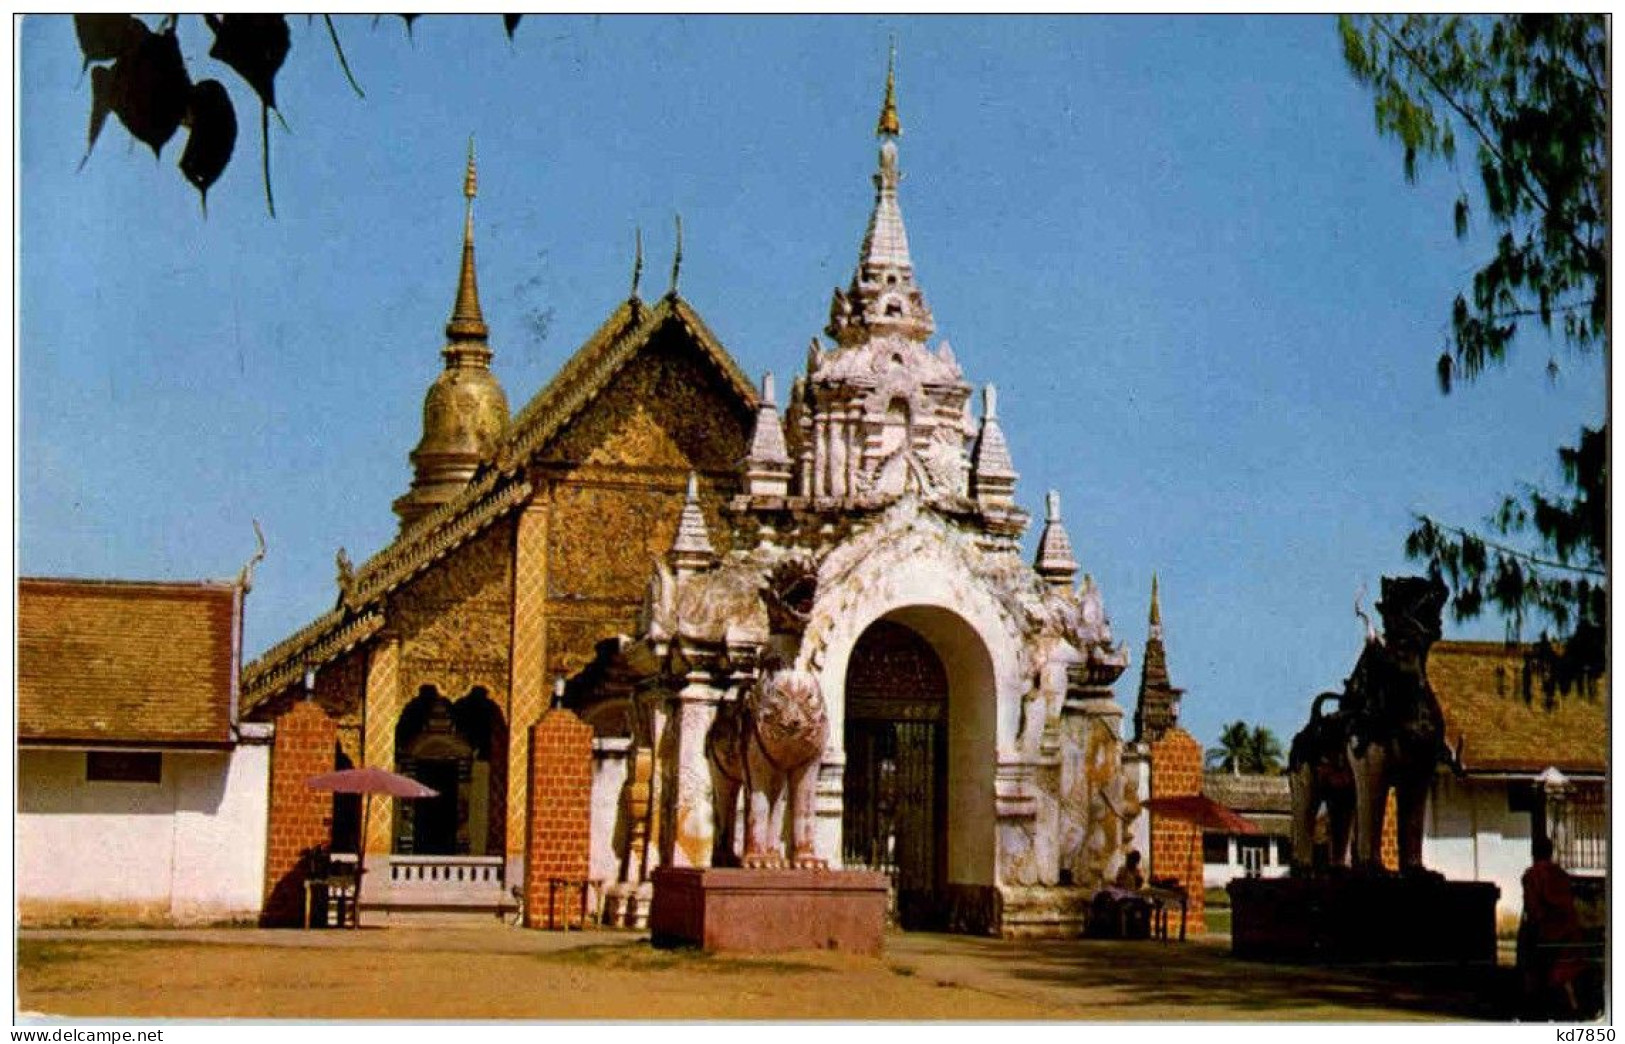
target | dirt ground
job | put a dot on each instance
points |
(490, 971)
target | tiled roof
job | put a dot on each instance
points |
(1248, 793)
(1480, 686)
(112, 661)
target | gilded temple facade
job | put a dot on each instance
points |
(650, 537)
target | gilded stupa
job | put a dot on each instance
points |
(465, 410)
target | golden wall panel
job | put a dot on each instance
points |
(454, 620)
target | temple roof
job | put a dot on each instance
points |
(1507, 727)
(500, 486)
(110, 662)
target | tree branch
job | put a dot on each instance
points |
(1473, 122)
(1515, 552)
(1426, 72)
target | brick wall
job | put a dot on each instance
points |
(1176, 847)
(558, 839)
(300, 818)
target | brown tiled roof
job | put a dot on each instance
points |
(1480, 687)
(1248, 793)
(112, 661)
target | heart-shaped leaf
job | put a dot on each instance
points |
(255, 45)
(149, 89)
(213, 135)
(104, 37)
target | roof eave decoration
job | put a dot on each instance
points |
(329, 637)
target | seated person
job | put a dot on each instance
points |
(1130, 878)
(1120, 911)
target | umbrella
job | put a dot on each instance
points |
(367, 781)
(1201, 811)
(1204, 813)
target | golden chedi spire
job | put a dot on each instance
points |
(467, 321)
(465, 409)
(889, 125)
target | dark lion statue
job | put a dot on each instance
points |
(1387, 734)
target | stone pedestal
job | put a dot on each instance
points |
(1351, 918)
(769, 911)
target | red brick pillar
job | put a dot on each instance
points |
(300, 818)
(559, 820)
(1176, 846)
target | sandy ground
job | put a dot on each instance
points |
(467, 972)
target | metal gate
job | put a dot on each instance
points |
(894, 801)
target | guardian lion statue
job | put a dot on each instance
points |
(769, 743)
(1387, 734)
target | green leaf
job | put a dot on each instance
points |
(253, 45)
(213, 136)
(149, 89)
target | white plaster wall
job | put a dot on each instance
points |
(1472, 835)
(191, 846)
(609, 768)
(221, 815)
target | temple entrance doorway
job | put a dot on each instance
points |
(895, 789)
(459, 750)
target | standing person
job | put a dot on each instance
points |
(1549, 932)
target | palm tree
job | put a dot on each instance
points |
(1264, 754)
(1244, 748)
(1231, 752)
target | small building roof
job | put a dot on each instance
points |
(1249, 793)
(1504, 719)
(110, 662)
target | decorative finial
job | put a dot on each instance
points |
(467, 321)
(990, 402)
(637, 264)
(677, 257)
(558, 691)
(1156, 604)
(692, 495)
(767, 388)
(889, 125)
(1052, 506)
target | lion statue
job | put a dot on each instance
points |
(769, 743)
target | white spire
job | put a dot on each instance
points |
(1055, 561)
(767, 464)
(692, 550)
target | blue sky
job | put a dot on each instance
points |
(1209, 299)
